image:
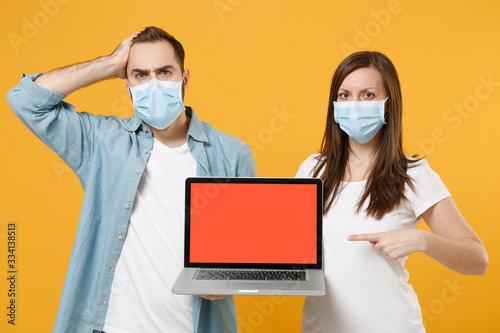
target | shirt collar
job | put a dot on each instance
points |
(196, 130)
(133, 123)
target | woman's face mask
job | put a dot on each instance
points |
(361, 120)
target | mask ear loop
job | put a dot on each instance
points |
(182, 85)
(386, 114)
(129, 91)
(183, 76)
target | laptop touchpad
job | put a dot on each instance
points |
(248, 285)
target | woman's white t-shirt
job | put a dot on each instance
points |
(366, 291)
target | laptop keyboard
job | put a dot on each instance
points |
(231, 274)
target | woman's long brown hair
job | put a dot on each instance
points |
(386, 182)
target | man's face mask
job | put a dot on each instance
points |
(158, 103)
(360, 120)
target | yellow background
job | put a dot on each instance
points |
(261, 70)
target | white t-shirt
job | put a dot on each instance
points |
(152, 255)
(366, 291)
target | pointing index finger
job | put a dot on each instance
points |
(372, 238)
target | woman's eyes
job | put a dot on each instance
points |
(364, 96)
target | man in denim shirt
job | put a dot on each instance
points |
(128, 247)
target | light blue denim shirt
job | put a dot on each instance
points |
(109, 156)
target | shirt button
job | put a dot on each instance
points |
(127, 205)
(137, 171)
(104, 303)
(146, 151)
(120, 238)
(112, 269)
(144, 128)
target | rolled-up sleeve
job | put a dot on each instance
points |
(55, 122)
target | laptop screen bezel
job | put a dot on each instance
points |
(257, 180)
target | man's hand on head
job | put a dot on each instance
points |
(119, 56)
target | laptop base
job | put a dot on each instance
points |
(187, 285)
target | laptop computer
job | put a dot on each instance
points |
(252, 236)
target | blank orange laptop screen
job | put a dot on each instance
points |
(253, 223)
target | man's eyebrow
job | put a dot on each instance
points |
(164, 68)
(160, 69)
(139, 70)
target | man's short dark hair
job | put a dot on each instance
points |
(155, 34)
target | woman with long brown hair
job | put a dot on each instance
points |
(374, 196)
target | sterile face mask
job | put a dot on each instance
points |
(158, 103)
(361, 120)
